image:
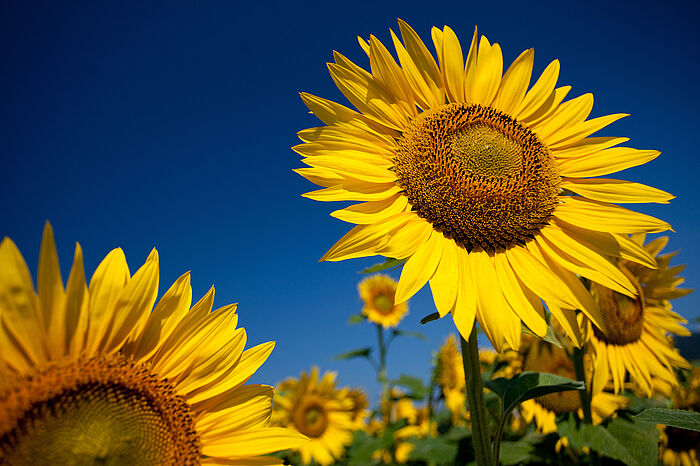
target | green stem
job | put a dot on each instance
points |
(475, 399)
(382, 364)
(499, 435)
(585, 395)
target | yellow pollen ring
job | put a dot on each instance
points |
(311, 418)
(103, 410)
(479, 176)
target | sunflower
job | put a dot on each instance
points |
(483, 186)
(450, 377)
(96, 374)
(377, 293)
(545, 357)
(360, 413)
(637, 339)
(681, 447)
(317, 409)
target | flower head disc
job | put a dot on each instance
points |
(488, 186)
(133, 416)
(478, 176)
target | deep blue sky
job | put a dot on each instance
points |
(169, 124)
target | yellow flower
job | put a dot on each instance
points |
(377, 293)
(96, 374)
(450, 377)
(359, 402)
(485, 187)
(545, 357)
(681, 447)
(317, 409)
(637, 339)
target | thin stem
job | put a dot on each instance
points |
(585, 396)
(382, 364)
(475, 398)
(497, 438)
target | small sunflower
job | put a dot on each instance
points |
(488, 189)
(681, 447)
(317, 409)
(96, 374)
(545, 357)
(638, 328)
(450, 377)
(377, 293)
(360, 413)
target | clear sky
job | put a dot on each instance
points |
(169, 124)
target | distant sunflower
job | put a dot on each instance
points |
(359, 405)
(98, 375)
(377, 293)
(637, 338)
(317, 409)
(545, 357)
(450, 377)
(484, 186)
(681, 447)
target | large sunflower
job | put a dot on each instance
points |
(98, 375)
(637, 339)
(317, 409)
(482, 185)
(377, 293)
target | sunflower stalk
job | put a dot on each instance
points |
(476, 405)
(381, 375)
(585, 395)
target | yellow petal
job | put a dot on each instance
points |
(464, 311)
(425, 94)
(605, 162)
(405, 240)
(424, 61)
(489, 68)
(254, 442)
(355, 192)
(587, 146)
(443, 283)
(514, 83)
(452, 64)
(540, 92)
(579, 131)
(372, 211)
(609, 190)
(347, 167)
(566, 116)
(76, 307)
(610, 218)
(19, 309)
(51, 295)
(419, 267)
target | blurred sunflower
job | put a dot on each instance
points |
(377, 293)
(681, 447)
(545, 357)
(98, 375)
(359, 411)
(637, 338)
(467, 174)
(450, 377)
(317, 409)
(419, 426)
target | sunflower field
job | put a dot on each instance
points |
(476, 177)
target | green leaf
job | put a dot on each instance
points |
(457, 433)
(433, 450)
(671, 417)
(387, 264)
(418, 335)
(417, 388)
(515, 452)
(356, 319)
(549, 337)
(528, 385)
(358, 353)
(622, 440)
(430, 318)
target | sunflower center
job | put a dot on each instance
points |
(623, 316)
(680, 440)
(311, 419)
(383, 303)
(104, 410)
(554, 361)
(480, 177)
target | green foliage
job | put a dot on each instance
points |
(430, 318)
(549, 337)
(356, 319)
(387, 264)
(417, 389)
(528, 385)
(398, 333)
(433, 450)
(671, 417)
(364, 445)
(635, 444)
(358, 353)
(521, 451)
